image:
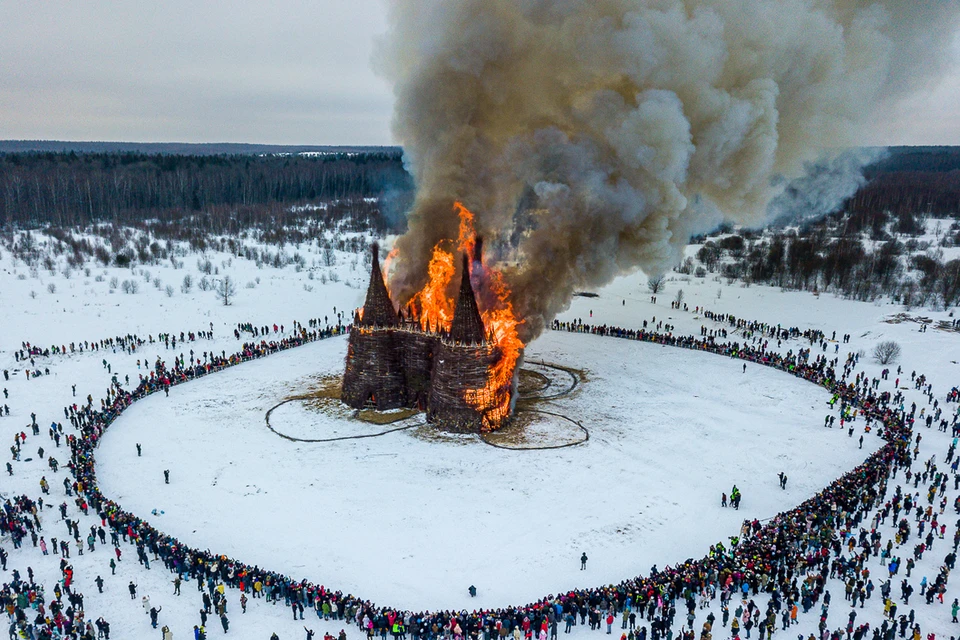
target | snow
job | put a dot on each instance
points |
(411, 519)
(444, 513)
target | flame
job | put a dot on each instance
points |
(467, 240)
(434, 306)
(387, 261)
(493, 399)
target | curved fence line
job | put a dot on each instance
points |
(546, 447)
(336, 439)
(574, 377)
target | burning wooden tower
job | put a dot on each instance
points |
(462, 365)
(374, 374)
(395, 361)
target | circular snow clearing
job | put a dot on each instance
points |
(412, 518)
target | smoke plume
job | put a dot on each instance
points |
(823, 188)
(592, 137)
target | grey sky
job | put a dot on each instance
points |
(278, 72)
(285, 72)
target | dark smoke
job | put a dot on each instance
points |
(592, 137)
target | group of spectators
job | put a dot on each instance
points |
(787, 558)
(126, 344)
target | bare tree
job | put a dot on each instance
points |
(225, 290)
(886, 352)
(655, 284)
(187, 283)
(329, 257)
(679, 298)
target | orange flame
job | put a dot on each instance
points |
(432, 304)
(435, 308)
(467, 240)
(493, 399)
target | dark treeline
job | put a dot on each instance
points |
(910, 159)
(907, 195)
(72, 190)
(907, 183)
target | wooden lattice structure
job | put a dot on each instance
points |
(392, 362)
(373, 375)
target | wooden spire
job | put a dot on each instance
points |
(467, 326)
(378, 310)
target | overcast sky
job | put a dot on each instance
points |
(189, 71)
(284, 72)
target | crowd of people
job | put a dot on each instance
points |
(788, 559)
(125, 344)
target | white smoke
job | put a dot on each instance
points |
(823, 188)
(591, 137)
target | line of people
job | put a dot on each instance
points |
(765, 559)
(787, 558)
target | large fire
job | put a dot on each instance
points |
(434, 304)
(501, 322)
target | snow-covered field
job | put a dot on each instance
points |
(412, 521)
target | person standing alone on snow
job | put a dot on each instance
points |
(583, 561)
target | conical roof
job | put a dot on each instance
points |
(377, 309)
(467, 326)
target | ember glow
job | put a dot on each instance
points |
(434, 305)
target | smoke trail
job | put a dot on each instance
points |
(823, 188)
(591, 137)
